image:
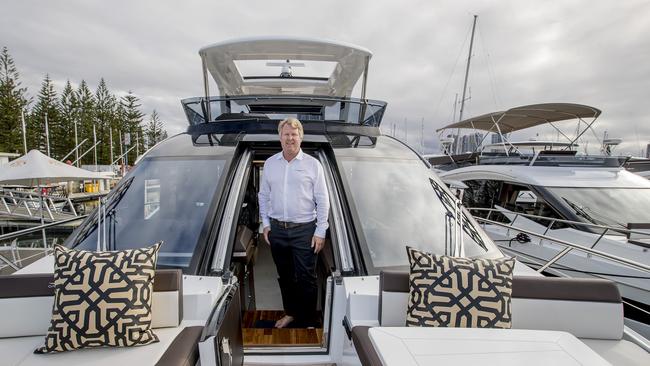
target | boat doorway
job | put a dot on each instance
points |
(251, 262)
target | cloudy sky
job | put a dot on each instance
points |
(525, 52)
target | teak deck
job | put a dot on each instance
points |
(254, 337)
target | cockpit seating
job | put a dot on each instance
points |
(26, 307)
(539, 303)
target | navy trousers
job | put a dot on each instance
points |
(295, 262)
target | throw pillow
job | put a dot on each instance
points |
(101, 299)
(459, 292)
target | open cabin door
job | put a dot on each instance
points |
(221, 342)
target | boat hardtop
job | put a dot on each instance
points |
(550, 176)
(350, 62)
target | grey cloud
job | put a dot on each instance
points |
(525, 52)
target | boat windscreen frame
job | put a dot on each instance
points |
(353, 111)
(339, 228)
(223, 249)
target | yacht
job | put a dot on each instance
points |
(197, 192)
(557, 196)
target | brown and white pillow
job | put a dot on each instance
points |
(101, 299)
(459, 292)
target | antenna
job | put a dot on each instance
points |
(422, 136)
(287, 66)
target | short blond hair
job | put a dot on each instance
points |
(293, 122)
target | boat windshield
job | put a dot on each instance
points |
(607, 206)
(399, 203)
(163, 199)
(305, 108)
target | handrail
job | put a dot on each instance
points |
(581, 223)
(626, 262)
(375, 103)
(18, 233)
(32, 201)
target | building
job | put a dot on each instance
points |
(5, 157)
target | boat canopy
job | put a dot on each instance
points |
(528, 116)
(223, 61)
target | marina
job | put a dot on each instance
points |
(281, 215)
(211, 232)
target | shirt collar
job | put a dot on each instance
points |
(300, 155)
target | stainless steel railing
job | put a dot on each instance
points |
(10, 255)
(569, 247)
(34, 204)
(552, 221)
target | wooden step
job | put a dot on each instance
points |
(263, 337)
(259, 337)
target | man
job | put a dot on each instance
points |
(294, 205)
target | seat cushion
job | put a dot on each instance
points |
(101, 299)
(19, 351)
(459, 292)
(619, 352)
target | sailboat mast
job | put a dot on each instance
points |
(469, 59)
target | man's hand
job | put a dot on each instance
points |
(267, 230)
(317, 243)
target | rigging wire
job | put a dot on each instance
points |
(444, 90)
(491, 74)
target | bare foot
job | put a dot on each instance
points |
(282, 323)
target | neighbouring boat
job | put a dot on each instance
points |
(546, 188)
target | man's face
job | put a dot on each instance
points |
(290, 140)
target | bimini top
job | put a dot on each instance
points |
(225, 61)
(523, 117)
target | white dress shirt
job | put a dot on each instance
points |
(294, 191)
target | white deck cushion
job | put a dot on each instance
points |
(19, 352)
(602, 320)
(620, 352)
(30, 316)
(25, 316)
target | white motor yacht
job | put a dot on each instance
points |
(196, 191)
(555, 197)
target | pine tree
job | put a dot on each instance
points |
(105, 110)
(47, 106)
(155, 130)
(13, 100)
(133, 118)
(86, 119)
(116, 128)
(69, 116)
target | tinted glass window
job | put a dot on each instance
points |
(163, 199)
(606, 206)
(400, 202)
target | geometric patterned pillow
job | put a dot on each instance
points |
(101, 299)
(459, 292)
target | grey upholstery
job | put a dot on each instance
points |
(365, 349)
(590, 309)
(26, 302)
(25, 311)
